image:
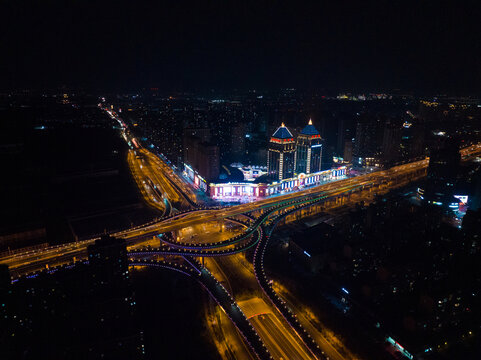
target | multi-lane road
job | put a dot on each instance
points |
(51, 256)
(390, 178)
(387, 178)
(160, 187)
(283, 343)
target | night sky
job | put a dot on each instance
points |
(424, 46)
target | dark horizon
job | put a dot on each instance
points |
(185, 45)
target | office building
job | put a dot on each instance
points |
(308, 150)
(368, 141)
(281, 154)
(441, 183)
(201, 156)
(347, 155)
(391, 143)
(238, 140)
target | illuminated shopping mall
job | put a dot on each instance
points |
(292, 164)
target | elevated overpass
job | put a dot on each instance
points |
(336, 192)
(263, 216)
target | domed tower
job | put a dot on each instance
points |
(309, 150)
(281, 154)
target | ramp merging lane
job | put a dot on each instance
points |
(202, 215)
(218, 292)
(282, 344)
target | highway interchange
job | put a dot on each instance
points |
(273, 333)
(201, 215)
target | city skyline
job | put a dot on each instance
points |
(110, 191)
(240, 180)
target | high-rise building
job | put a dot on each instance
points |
(412, 140)
(238, 140)
(203, 156)
(442, 176)
(281, 154)
(391, 142)
(209, 161)
(347, 155)
(444, 161)
(308, 150)
(368, 141)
